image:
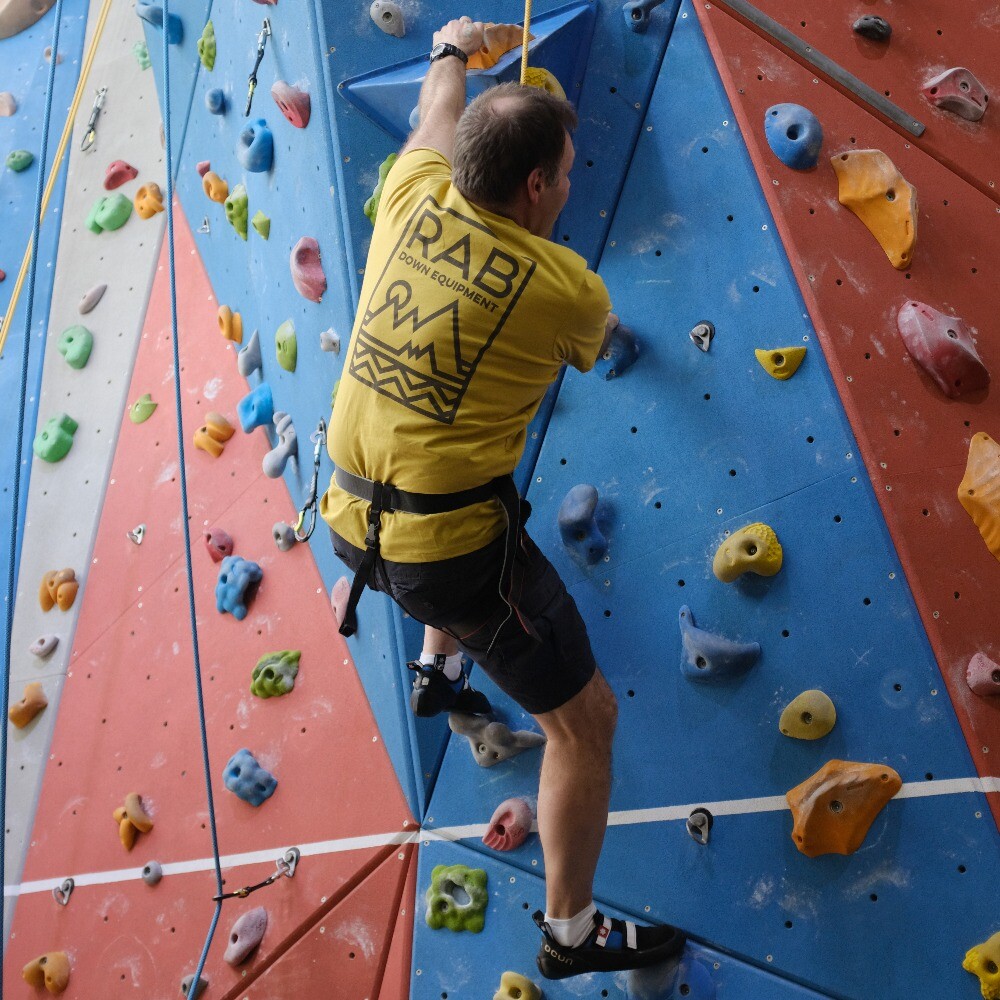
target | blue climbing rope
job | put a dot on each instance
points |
(184, 498)
(16, 491)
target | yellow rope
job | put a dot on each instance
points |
(8, 319)
(524, 42)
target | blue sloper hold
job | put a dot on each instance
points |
(244, 777)
(709, 657)
(637, 14)
(621, 352)
(794, 135)
(236, 586)
(583, 524)
(153, 13)
(215, 101)
(255, 147)
(256, 408)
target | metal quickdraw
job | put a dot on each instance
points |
(90, 135)
(318, 438)
(265, 33)
(286, 866)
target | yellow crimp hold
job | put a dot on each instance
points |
(215, 187)
(979, 491)
(514, 986)
(781, 362)
(876, 192)
(810, 716)
(50, 970)
(230, 324)
(984, 961)
(148, 200)
(753, 549)
(132, 820)
(542, 78)
(498, 39)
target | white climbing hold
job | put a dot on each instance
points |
(388, 17)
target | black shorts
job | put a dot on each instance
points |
(539, 655)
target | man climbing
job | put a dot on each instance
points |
(467, 313)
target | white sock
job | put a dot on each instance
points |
(452, 665)
(573, 932)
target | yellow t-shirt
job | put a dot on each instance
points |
(464, 321)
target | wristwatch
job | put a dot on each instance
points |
(443, 49)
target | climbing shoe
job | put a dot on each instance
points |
(433, 693)
(611, 946)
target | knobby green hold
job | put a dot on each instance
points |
(275, 673)
(287, 347)
(75, 346)
(53, 442)
(19, 159)
(109, 213)
(371, 205)
(457, 898)
(237, 209)
(141, 54)
(261, 223)
(142, 409)
(206, 47)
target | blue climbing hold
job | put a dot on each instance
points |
(709, 657)
(256, 408)
(255, 148)
(245, 777)
(583, 523)
(794, 135)
(619, 355)
(637, 14)
(693, 982)
(236, 586)
(153, 13)
(215, 101)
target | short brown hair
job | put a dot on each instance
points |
(504, 134)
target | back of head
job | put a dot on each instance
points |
(504, 134)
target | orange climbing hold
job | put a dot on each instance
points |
(876, 192)
(148, 200)
(213, 434)
(58, 587)
(132, 820)
(834, 809)
(50, 970)
(33, 701)
(498, 39)
(230, 325)
(979, 491)
(215, 187)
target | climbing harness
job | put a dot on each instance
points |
(318, 438)
(265, 33)
(286, 866)
(525, 38)
(90, 136)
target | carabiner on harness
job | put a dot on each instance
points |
(90, 136)
(318, 438)
(262, 38)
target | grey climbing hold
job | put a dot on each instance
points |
(136, 534)
(249, 360)
(709, 657)
(277, 458)
(492, 742)
(44, 645)
(583, 524)
(91, 298)
(329, 341)
(878, 29)
(702, 334)
(699, 824)
(284, 535)
(62, 892)
(387, 15)
(187, 991)
(152, 872)
(414, 119)
(245, 935)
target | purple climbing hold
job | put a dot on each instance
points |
(237, 586)
(709, 657)
(245, 778)
(256, 408)
(619, 355)
(583, 523)
(983, 675)
(878, 29)
(943, 346)
(957, 90)
(245, 935)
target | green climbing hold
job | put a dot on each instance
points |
(457, 898)
(142, 409)
(287, 347)
(75, 346)
(261, 223)
(19, 159)
(237, 209)
(141, 54)
(53, 442)
(275, 673)
(371, 205)
(109, 213)
(206, 47)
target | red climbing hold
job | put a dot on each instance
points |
(943, 346)
(957, 90)
(219, 544)
(118, 173)
(203, 167)
(307, 271)
(293, 102)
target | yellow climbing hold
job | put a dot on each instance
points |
(514, 986)
(979, 491)
(781, 362)
(876, 192)
(753, 549)
(230, 324)
(810, 716)
(498, 39)
(538, 77)
(984, 961)
(215, 187)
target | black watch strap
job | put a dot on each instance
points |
(443, 49)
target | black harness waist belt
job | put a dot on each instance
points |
(387, 499)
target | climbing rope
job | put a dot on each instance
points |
(525, 38)
(32, 267)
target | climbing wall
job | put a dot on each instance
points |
(686, 214)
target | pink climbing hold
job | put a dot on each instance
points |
(509, 826)
(118, 173)
(293, 102)
(267, 3)
(219, 544)
(245, 935)
(338, 599)
(943, 346)
(307, 271)
(983, 675)
(203, 167)
(3, 274)
(8, 105)
(957, 90)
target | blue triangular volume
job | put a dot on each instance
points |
(561, 45)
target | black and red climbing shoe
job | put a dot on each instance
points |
(612, 945)
(433, 693)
